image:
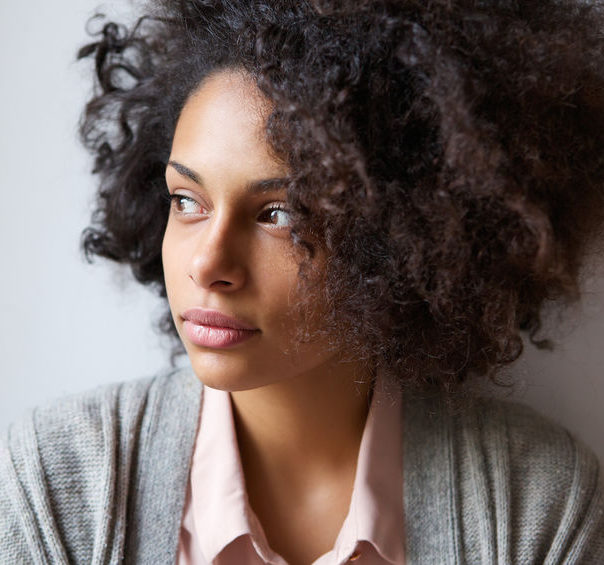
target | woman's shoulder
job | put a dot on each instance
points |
(65, 467)
(81, 421)
(536, 476)
(483, 428)
(506, 483)
(535, 447)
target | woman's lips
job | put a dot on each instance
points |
(209, 328)
(211, 336)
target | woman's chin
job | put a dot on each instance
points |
(227, 375)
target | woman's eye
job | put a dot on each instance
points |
(184, 204)
(277, 216)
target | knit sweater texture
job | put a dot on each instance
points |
(101, 477)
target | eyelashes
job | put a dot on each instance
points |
(176, 200)
(276, 214)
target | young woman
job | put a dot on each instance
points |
(353, 210)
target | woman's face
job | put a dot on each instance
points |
(227, 248)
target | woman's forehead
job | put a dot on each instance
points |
(222, 127)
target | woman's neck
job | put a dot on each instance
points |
(299, 442)
(303, 430)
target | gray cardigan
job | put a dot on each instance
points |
(101, 478)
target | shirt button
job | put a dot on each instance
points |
(355, 555)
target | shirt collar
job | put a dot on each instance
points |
(221, 509)
(376, 506)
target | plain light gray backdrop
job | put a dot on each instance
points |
(67, 326)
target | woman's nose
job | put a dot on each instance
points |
(218, 260)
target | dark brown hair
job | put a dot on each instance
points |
(447, 154)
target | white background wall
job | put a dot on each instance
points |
(67, 326)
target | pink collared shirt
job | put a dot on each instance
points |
(219, 527)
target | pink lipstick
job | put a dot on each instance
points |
(209, 328)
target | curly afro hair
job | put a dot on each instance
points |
(447, 154)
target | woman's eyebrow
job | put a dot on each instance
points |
(255, 186)
(185, 171)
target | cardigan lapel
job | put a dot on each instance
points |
(163, 461)
(432, 527)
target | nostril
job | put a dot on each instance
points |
(215, 283)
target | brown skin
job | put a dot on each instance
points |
(299, 411)
(299, 442)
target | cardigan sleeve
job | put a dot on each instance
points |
(532, 492)
(86, 479)
(64, 477)
(560, 477)
(27, 530)
(16, 538)
(583, 521)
